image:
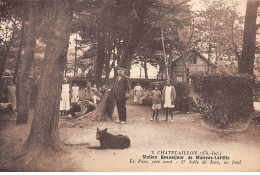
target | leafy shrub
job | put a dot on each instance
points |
(224, 98)
(257, 91)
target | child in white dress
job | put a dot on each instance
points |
(75, 94)
(168, 97)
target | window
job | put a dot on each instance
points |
(179, 78)
(192, 58)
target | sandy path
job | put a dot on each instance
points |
(185, 134)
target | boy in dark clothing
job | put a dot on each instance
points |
(78, 110)
(74, 109)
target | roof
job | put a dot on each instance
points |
(199, 54)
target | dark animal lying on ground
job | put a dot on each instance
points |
(110, 141)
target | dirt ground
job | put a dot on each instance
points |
(185, 134)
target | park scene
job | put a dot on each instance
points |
(130, 86)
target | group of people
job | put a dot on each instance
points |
(73, 106)
(141, 95)
(164, 99)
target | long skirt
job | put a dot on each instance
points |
(65, 102)
(168, 104)
(138, 96)
(75, 99)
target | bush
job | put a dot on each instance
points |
(224, 98)
(257, 91)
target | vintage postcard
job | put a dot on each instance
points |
(130, 86)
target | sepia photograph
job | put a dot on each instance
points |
(130, 86)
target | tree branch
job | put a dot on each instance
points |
(173, 8)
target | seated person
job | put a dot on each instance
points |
(75, 109)
(6, 108)
(145, 96)
(78, 109)
(89, 93)
(89, 107)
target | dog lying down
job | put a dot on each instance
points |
(110, 141)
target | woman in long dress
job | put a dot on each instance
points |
(65, 98)
(138, 93)
(75, 94)
(12, 95)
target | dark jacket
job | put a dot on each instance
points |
(121, 87)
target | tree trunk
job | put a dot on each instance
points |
(75, 60)
(107, 105)
(140, 8)
(100, 58)
(24, 84)
(2, 67)
(209, 55)
(145, 69)
(246, 62)
(44, 135)
(100, 40)
(164, 55)
(21, 44)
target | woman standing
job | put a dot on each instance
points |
(89, 92)
(138, 93)
(65, 98)
(12, 95)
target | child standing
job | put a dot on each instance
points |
(156, 96)
(168, 98)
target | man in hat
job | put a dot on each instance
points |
(120, 92)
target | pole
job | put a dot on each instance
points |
(76, 49)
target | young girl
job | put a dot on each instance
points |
(168, 98)
(156, 96)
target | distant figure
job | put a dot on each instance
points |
(145, 96)
(12, 95)
(103, 90)
(120, 92)
(65, 98)
(75, 94)
(137, 93)
(156, 95)
(168, 98)
(95, 91)
(6, 108)
(89, 92)
(4, 92)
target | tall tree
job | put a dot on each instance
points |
(9, 29)
(44, 135)
(246, 62)
(28, 57)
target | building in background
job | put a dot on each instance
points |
(194, 61)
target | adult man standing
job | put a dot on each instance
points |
(120, 92)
